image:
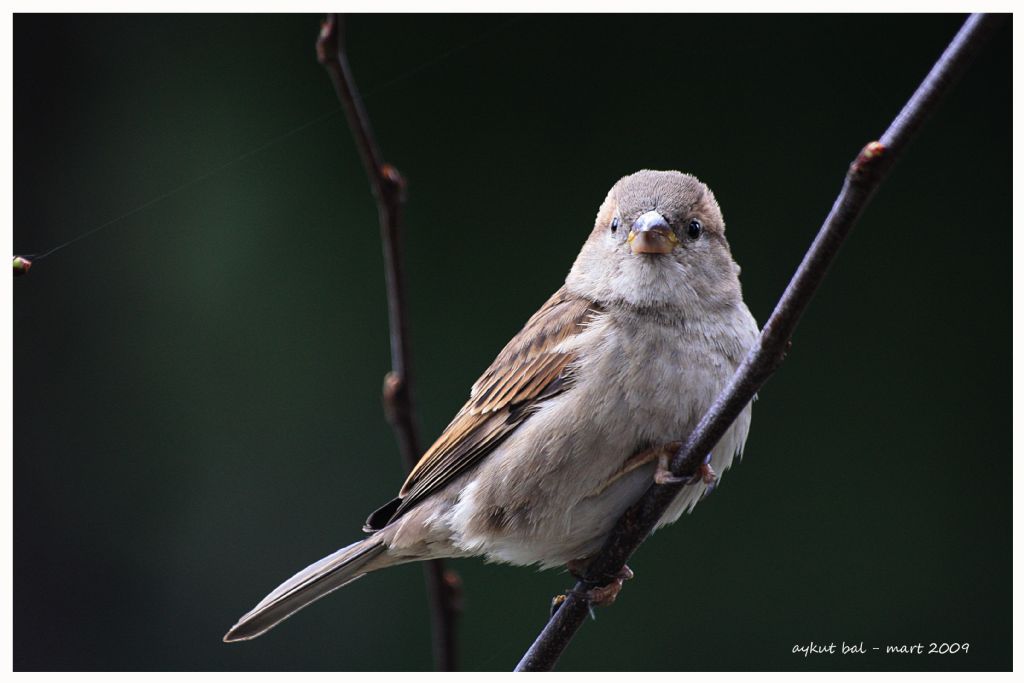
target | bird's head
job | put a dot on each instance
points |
(659, 240)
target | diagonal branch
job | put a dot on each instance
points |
(388, 189)
(864, 176)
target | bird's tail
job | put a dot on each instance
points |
(312, 583)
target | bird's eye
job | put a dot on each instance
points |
(615, 224)
(694, 229)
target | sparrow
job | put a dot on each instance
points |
(580, 410)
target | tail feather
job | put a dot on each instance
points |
(310, 584)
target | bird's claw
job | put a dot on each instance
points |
(602, 596)
(598, 596)
(704, 473)
(556, 602)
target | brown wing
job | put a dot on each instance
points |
(529, 369)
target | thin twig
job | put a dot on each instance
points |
(863, 178)
(388, 189)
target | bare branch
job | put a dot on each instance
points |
(388, 189)
(864, 176)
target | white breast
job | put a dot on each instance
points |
(639, 381)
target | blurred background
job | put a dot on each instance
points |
(197, 385)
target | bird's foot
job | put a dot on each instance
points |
(556, 602)
(638, 460)
(599, 596)
(602, 596)
(663, 475)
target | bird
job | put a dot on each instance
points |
(579, 412)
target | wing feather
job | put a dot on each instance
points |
(532, 367)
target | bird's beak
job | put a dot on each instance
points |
(651, 234)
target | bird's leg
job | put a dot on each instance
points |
(576, 568)
(602, 596)
(663, 475)
(638, 460)
(599, 596)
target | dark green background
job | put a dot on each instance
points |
(197, 409)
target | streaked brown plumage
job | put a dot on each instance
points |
(529, 369)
